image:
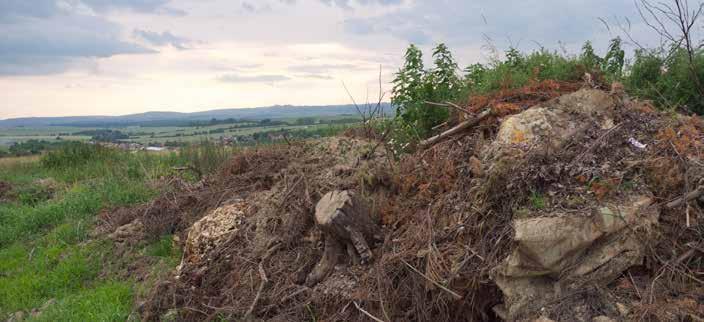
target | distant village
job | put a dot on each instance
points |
(224, 140)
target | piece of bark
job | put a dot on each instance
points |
(348, 229)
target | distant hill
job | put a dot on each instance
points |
(170, 118)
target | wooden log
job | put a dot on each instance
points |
(690, 196)
(348, 230)
(457, 129)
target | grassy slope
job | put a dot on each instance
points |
(45, 248)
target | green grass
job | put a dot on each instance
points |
(164, 248)
(108, 301)
(46, 251)
(537, 201)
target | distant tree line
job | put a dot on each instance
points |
(30, 147)
(105, 135)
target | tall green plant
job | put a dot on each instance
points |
(443, 78)
(409, 83)
(615, 59)
(414, 87)
(588, 58)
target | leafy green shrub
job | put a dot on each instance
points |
(665, 77)
(414, 87)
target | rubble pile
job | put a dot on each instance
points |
(561, 204)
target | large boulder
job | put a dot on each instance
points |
(552, 123)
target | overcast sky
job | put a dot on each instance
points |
(113, 57)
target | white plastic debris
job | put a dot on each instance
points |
(637, 144)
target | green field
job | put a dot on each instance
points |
(159, 135)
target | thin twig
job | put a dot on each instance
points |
(367, 313)
(594, 144)
(265, 280)
(263, 284)
(453, 293)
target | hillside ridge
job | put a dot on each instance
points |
(254, 113)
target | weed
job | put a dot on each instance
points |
(33, 194)
(73, 154)
(206, 157)
(164, 247)
(537, 201)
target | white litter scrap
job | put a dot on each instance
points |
(637, 144)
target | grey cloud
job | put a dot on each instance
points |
(248, 7)
(47, 39)
(147, 6)
(461, 22)
(11, 9)
(13, 65)
(163, 39)
(235, 78)
(251, 8)
(14, 10)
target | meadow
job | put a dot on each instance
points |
(50, 256)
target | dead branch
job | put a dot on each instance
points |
(457, 129)
(596, 143)
(453, 293)
(439, 126)
(367, 313)
(264, 282)
(690, 196)
(262, 285)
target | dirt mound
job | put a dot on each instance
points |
(566, 206)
